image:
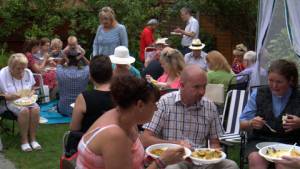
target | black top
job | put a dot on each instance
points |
(154, 69)
(97, 103)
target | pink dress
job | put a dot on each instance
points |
(49, 77)
(89, 160)
(174, 85)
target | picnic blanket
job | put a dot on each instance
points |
(49, 112)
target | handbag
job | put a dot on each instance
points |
(70, 142)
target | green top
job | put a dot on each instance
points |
(219, 77)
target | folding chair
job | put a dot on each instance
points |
(239, 82)
(234, 105)
(7, 115)
(41, 89)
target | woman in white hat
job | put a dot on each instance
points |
(197, 56)
(121, 61)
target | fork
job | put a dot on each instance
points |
(269, 127)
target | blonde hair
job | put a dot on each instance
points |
(107, 11)
(174, 61)
(217, 61)
(56, 43)
(72, 39)
(17, 58)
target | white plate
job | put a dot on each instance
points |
(175, 33)
(43, 120)
(50, 68)
(264, 144)
(72, 105)
(26, 101)
(199, 161)
(262, 151)
(166, 145)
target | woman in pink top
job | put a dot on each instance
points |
(172, 62)
(112, 142)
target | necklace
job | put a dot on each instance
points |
(13, 80)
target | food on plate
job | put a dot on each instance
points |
(25, 101)
(208, 154)
(158, 151)
(277, 153)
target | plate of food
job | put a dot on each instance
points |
(264, 144)
(26, 100)
(275, 152)
(207, 156)
(156, 150)
(175, 33)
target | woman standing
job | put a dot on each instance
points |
(15, 79)
(110, 34)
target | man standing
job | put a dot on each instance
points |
(185, 117)
(197, 56)
(191, 30)
(147, 37)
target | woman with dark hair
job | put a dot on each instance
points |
(277, 105)
(32, 47)
(90, 105)
(72, 80)
(112, 142)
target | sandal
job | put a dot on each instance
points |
(26, 147)
(35, 145)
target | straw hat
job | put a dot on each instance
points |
(161, 41)
(121, 56)
(240, 50)
(197, 44)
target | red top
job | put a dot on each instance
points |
(146, 40)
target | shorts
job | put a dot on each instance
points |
(17, 109)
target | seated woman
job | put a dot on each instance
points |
(14, 80)
(268, 105)
(90, 105)
(72, 80)
(121, 62)
(113, 140)
(219, 71)
(32, 48)
(173, 63)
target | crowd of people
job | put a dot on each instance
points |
(126, 110)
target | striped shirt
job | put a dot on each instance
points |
(71, 82)
(106, 42)
(175, 121)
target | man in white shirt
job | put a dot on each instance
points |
(191, 30)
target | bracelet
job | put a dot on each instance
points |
(160, 164)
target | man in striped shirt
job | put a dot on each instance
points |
(185, 117)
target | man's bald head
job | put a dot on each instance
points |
(193, 82)
(192, 71)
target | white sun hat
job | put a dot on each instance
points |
(121, 56)
(161, 41)
(197, 44)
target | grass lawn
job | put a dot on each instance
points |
(49, 136)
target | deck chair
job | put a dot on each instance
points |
(234, 105)
(6, 115)
(239, 82)
(41, 89)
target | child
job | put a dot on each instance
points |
(73, 48)
(56, 48)
(238, 53)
